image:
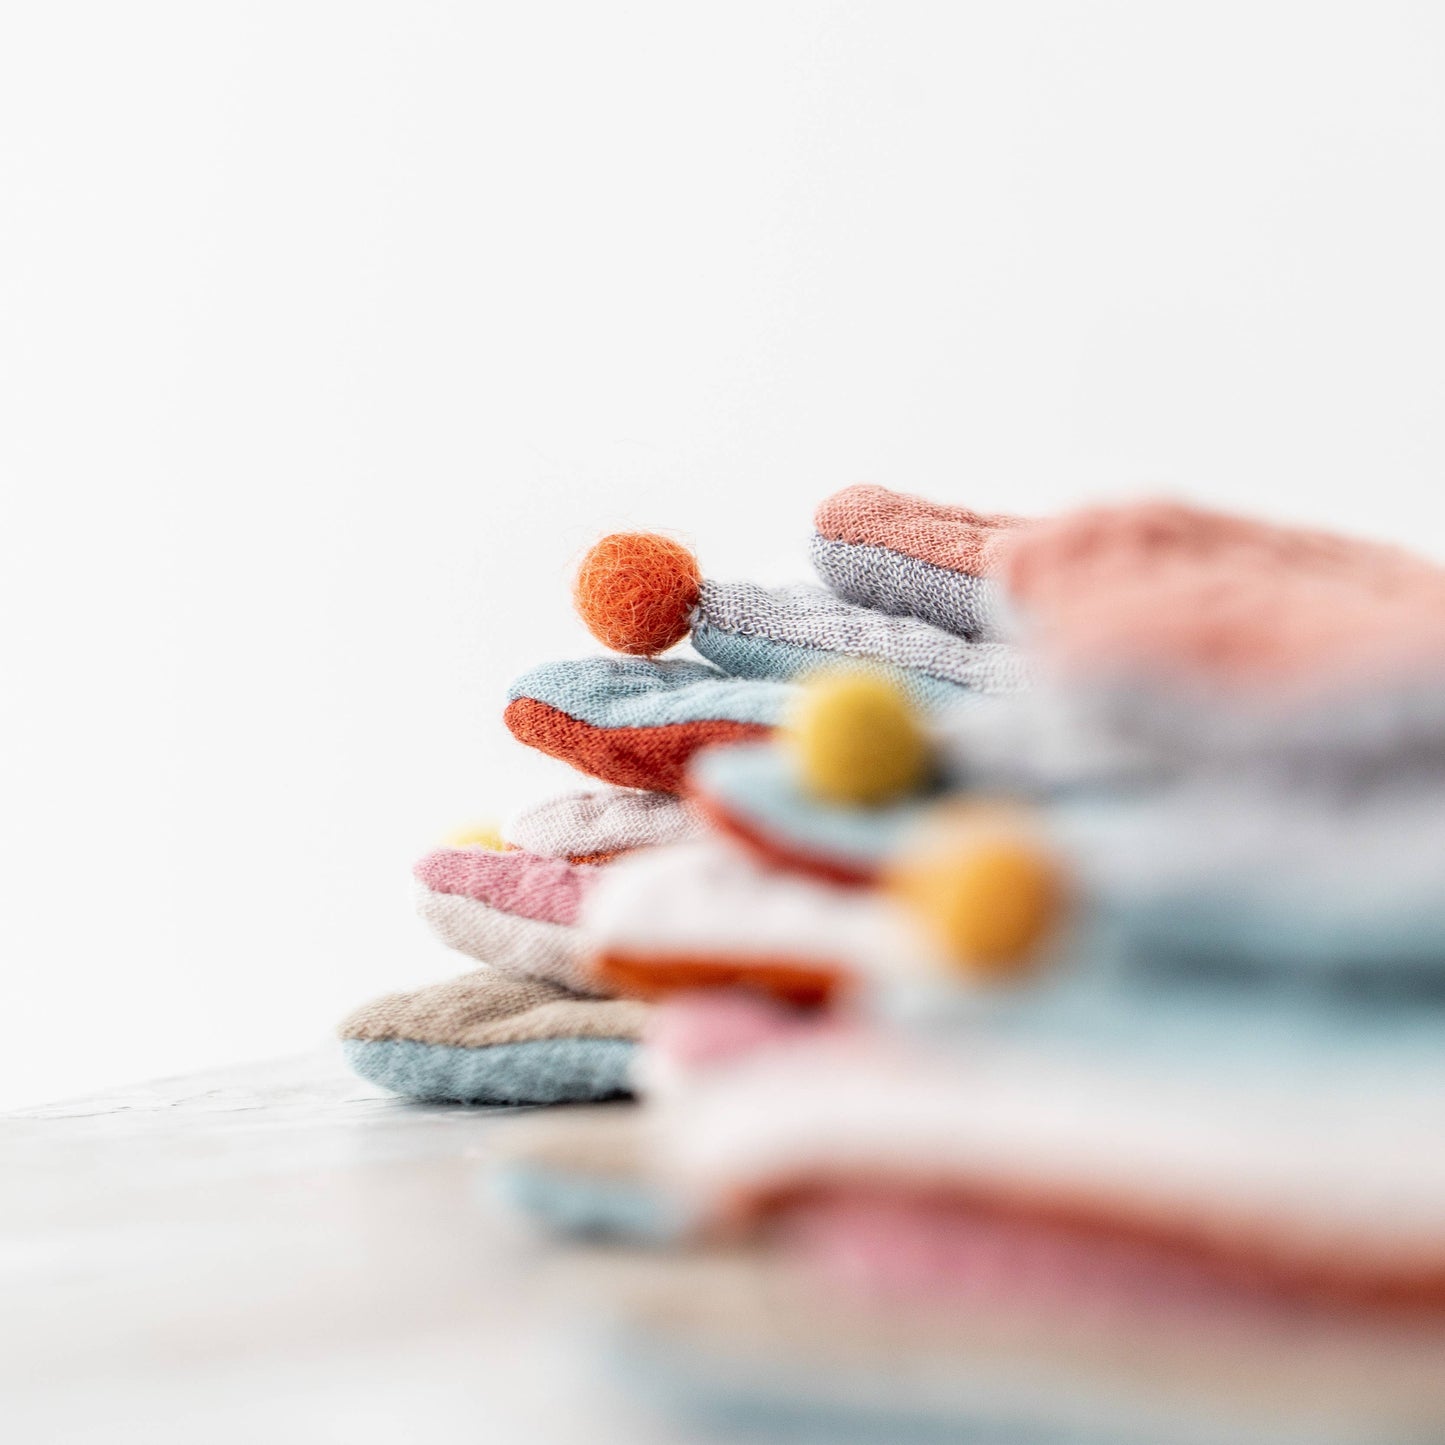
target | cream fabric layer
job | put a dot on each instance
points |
(601, 820)
(1344, 1171)
(707, 900)
(509, 943)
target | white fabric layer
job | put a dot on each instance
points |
(707, 899)
(601, 820)
(507, 942)
(1342, 1173)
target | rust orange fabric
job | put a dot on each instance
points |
(632, 757)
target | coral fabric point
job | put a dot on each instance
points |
(858, 740)
(987, 893)
(636, 592)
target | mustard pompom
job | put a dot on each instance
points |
(479, 835)
(857, 739)
(983, 888)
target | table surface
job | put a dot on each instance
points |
(273, 1253)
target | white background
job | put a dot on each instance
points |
(330, 333)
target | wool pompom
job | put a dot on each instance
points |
(636, 592)
(986, 892)
(857, 739)
(477, 835)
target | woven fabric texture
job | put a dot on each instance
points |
(639, 692)
(549, 890)
(483, 1008)
(788, 632)
(508, 943)
(972, 607)
(636, 722)
(945, 535)
(544, 1071)
(608, 820)
(702, 914)
(751, 793)
(652, 758)
(904, 555)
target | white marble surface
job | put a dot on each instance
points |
(277, 1253)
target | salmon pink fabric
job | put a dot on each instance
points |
(548, 890)
(954, 537)
(1160, 590)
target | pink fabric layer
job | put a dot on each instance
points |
(693, 1031)
(1163, 589)
(548, 890)
(957, 538)
(892, 1246)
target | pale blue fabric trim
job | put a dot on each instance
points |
(810, 625)
(1290, 891)
(1181, 1025)
(872, 576)
(587, 1206)
(620, 692)
(787, 1399)
(761, 657)
(755, 784)
(537, 1071)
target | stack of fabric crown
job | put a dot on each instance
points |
(1028, 950)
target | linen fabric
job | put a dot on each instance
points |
(548, 890)
(751, 792)
(788, 632)
(591, 823)
(507, 942)
(635, 722)
(911, 557)
(701, 915)
(487, 1037)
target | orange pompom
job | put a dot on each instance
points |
(986, 889)
(636, 592)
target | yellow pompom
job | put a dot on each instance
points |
(858, 739)
(985, 891)
(480, 835)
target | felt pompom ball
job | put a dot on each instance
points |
(479, 835)
(857, 739)
(986, 892)
(636, 592)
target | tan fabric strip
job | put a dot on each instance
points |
(484, 1007)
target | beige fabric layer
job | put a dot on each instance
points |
(755, 1318)
(484, 1007)
(610, 1141)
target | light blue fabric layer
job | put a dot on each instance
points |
(783, 1398)
(540, 1071)
(633, 692)
(889, 581)
(1088, 1005)
(762, 657)
(592, 1207)
(754, 783)
(1268, 886)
